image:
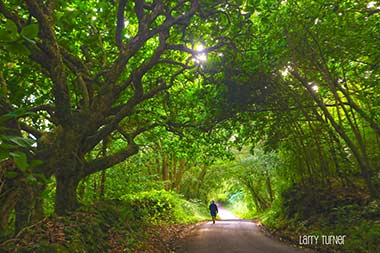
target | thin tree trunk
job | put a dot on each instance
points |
(200, 180)
(364, 167)
(269, 187)
(95, 187)
(182, 168)
(102, 183)
(174, 171)
(158, 167)
(165, 169)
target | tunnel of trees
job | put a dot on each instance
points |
(274, 105)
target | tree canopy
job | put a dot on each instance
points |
(87, 85)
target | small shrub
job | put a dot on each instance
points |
(373, 237)
(163, 207)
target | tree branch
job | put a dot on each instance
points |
(113, 74)
(74, 63)
(131, 149)
(56, 68)
(109, 161)
(130, 136)
(372, 12)
(120, 23)
(48, 108)
(122, 112)
(183, 48)
(35, 132)
(135, 78)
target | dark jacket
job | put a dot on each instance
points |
(213, 209)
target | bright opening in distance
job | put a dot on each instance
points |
(200, 56)
(372, 4)
(199, 48)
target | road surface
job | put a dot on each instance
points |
(232, 235)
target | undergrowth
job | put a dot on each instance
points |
(317, 209)
(333, 210)
(142, 222)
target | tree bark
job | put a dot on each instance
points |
(66, 198)
(28, 207)
(102, 184)
(165, 169)
(24, 208)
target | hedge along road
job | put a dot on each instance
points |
(230, 235)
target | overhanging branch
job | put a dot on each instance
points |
(56, 68)
(35, 132)
(109, 161)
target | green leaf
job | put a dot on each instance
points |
(45, 194)
(20, 159)
(10, 174)
(18, 49)
(6, 36)
(3, 155)
(11, 26)
(30, 31)
(6, 147)
(9, 34)
(4, 129)
(15, 114)
(41, 177)
(35, 163)
(20, 141)
(31, 179)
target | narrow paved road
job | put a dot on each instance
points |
(231, 235)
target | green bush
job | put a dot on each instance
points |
(162, 207)
(373, 238)
(372, 210)
(152, 206)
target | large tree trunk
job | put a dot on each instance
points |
(8, 193)
(66, 197)
(28, 206)
(24, 208)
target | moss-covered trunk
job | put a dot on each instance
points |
(67, 159)
(28, 205)
(66, 197)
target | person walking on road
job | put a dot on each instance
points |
(213, 210)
